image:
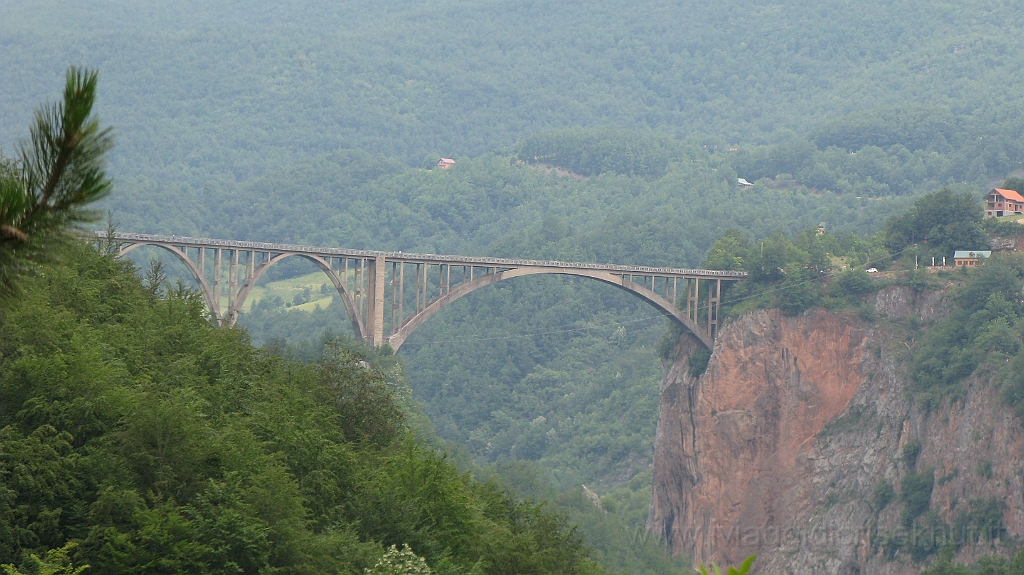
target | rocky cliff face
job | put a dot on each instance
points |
(783, 446)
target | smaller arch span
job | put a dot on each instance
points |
(324, 266)
(211, 302)
(231, 317)
(667, 308)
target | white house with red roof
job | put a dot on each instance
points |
(1001, 202)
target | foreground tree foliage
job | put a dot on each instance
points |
(58, 173)
(158, 444)
(741, 570)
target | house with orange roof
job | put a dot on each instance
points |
(1001, 202)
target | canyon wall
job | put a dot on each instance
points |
(780, 447)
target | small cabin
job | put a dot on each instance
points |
(743, 183)
(445, 163)
(969, 258)
(1001, 202)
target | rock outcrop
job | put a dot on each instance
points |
(780, 446)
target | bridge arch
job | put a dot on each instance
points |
(662, 304)
(325, 266)
(213, 301)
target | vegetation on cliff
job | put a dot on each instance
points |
(984, 566)
(818, 268)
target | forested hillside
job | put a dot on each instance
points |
(205, 90)
(153, 442)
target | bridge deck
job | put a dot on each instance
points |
(407, 257)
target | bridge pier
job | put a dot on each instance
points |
(375, 314)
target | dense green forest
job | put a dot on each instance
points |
(157, 443)
(206, 91)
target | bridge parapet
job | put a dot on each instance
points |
(420, 285)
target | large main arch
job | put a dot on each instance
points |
(660, 303)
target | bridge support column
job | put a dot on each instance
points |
(716, 297)
(376, 276)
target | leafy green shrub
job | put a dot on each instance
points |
(985, 565)
(667, 344)
(855, 282)
(797, 293)
(982, 520)
(916, 495)
(400, 562)
(921, 280)
(984, 469)
(883, 494)
(1012, 385)
(57, 562)
(911, 450)
(729, 252)
(928, 535)
(949, 476)
(742, 570)
(698, 362)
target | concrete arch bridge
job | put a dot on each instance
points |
(389, 294)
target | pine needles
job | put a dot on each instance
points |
(46, 191)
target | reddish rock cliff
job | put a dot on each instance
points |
(777, 448)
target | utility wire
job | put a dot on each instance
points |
(534, 334)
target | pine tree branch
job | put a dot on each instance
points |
(58, 174)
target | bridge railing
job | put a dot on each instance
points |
(409, 257)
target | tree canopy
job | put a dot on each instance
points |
(941, 222)
(159, 443)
